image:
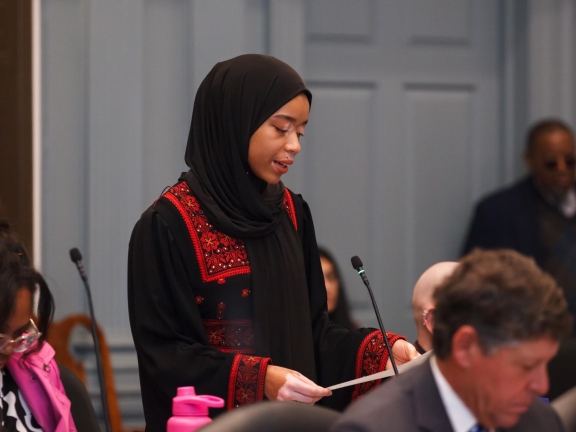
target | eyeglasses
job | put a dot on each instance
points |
(552, 165)
(24, 341)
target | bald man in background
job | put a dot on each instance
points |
(423, 302)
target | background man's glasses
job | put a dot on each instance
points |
(22, 342)
(552, 165)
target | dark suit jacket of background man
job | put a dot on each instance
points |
(412, 403)
(510, 218)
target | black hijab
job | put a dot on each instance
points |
(233, 101)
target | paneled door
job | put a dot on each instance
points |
(404, 133)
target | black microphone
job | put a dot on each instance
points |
(76, 258)
(357, 264)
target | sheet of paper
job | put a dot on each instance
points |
(384, 374)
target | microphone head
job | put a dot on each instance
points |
(75, 255)
(356, 262)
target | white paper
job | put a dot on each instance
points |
(384, 374)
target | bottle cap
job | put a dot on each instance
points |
(187, 403)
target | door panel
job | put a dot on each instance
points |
(404, 135)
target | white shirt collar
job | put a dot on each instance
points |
(461, 418)
(568, 204)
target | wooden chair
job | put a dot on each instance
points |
(59, 337)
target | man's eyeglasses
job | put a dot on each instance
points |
(552, 165)
(22, 342)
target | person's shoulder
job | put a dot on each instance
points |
(503, 193)
(171, 202)
(297, 203)
(390, 404)
(539, 417)
(296, 197)
(373, 411)
(516, 193)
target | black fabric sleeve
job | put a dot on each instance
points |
(168, 332)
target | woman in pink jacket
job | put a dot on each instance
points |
(32, 397)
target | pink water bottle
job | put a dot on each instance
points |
(189, 411)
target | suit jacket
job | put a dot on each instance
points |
(412, 403)
(508, 219)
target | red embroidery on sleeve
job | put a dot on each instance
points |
(371, 358)
(246, 383)
(231, 336)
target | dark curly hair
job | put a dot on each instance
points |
(16, 273)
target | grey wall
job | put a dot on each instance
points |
(119, 79)
(404, 136)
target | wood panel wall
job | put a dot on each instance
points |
(16, 116)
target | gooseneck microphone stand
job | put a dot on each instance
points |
(357, 264)
(76, 258)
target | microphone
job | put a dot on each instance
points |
(357, 264)
(76, 258)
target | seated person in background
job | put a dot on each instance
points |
(32, 397)
(537, 216)
(337, 302)
(498, 321)
(423, 304)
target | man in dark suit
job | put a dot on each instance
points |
(537, 216)
(497, 322)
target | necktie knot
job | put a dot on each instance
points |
(478, 428)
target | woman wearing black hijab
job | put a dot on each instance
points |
(225, 289)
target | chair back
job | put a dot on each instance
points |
(59, 335)
(81, 408)
(274, 416)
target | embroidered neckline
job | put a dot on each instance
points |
(219, 255)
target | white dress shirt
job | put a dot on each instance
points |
(461, 418)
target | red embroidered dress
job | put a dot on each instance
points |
(225, 308)
(191, 310)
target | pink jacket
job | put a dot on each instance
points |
(38, 379)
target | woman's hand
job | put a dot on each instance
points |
(288, 385)
(403, 352)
